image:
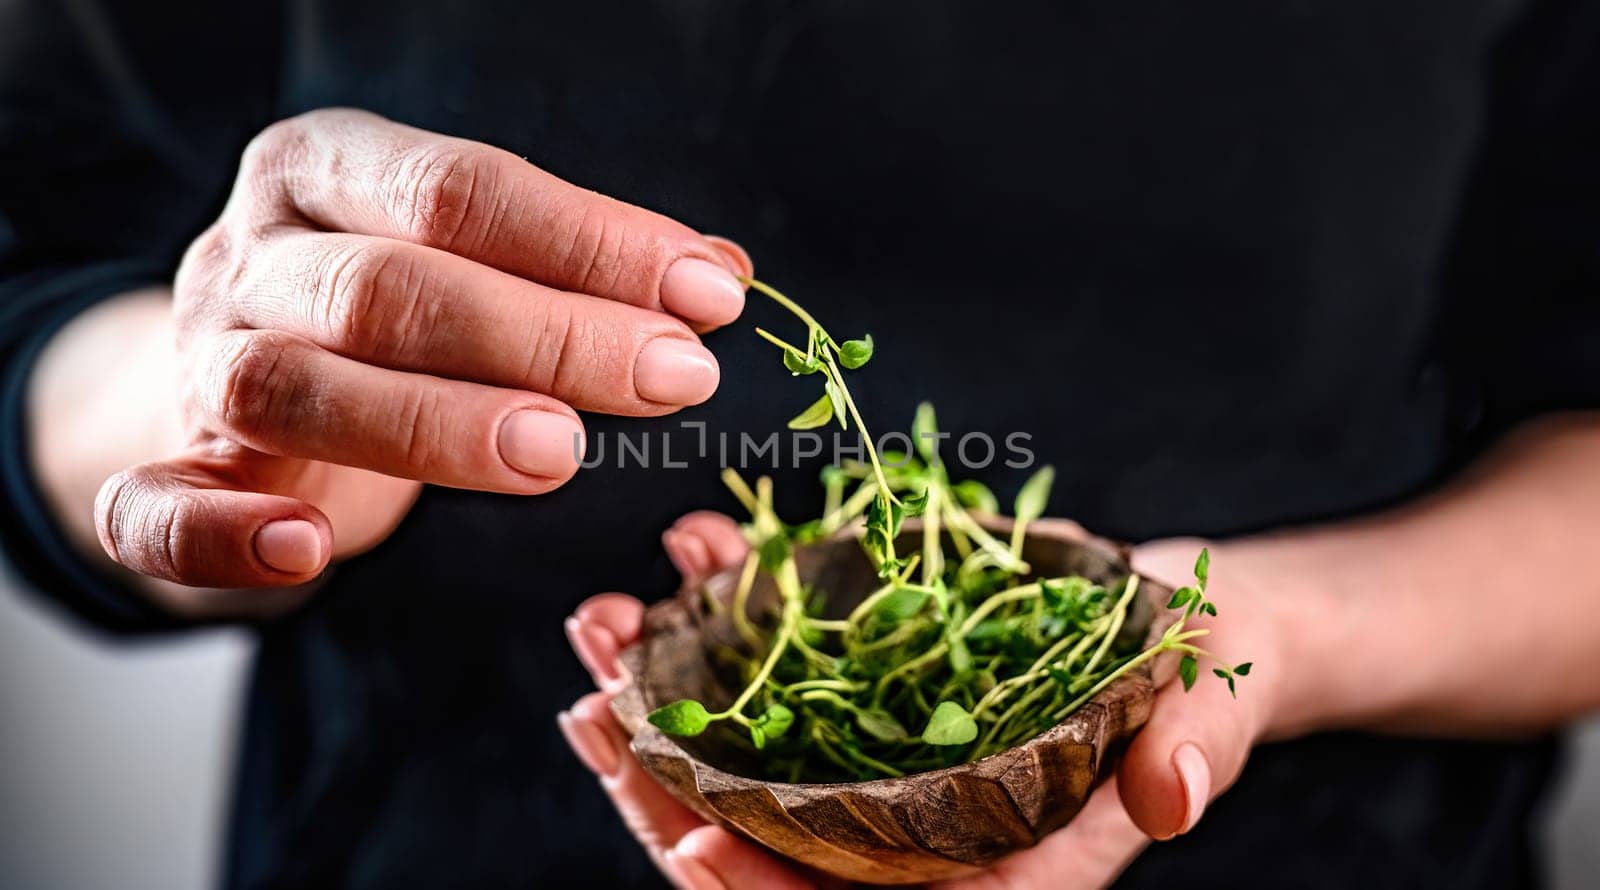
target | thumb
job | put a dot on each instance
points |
(182, 521)
(1196, 742)
(1193, 748)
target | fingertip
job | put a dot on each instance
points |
(688, 553)
(1152, 791)
(618, 613)
(702, 291)
(724, 543)
(675, 372)
(597, 648)
(590, 743)
(1194, 775)
(690, 873)
(732, 861)
(291, 546)
(736, 258)
(545, 445)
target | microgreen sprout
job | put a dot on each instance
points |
(961, 652)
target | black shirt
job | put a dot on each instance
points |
(1232, 266)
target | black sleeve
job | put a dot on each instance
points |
(120, 128)
(1524, 324)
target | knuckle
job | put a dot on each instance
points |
(606, 255)
(253, 383)
(110, 510)
(422, 434)
(370, 298)
(572, 351)
(142, 526)
(594, 257)
(209, 258)
(438, 191)
(280, 146)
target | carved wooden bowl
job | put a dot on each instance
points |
(922, 827)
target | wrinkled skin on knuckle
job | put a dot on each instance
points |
(607, 252)
(281, 147)
(109, 512)
(590, 351)
(575, 352)
(142, 527)
(250, 385)
(218, 276)
(421, 430)
(367, 298)
(442, 193)
(595, 251)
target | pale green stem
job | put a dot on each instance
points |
(1118, 616)
(741, 600)
(781, 642)
(932, 547)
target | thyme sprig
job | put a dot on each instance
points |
(975, 655)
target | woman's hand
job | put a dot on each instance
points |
(380, 307)
(1193, 748)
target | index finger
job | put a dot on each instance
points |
(351, 171)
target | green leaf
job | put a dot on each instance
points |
(820, 412)
(1068, 597)
(915, 505)
(1061, 676)
(1180, 596)
(881, 725)
(1189, 671)
(1202, 567)
(758, 736)
(798, 364)
(1054, 594)
(683, 717)
(774, 551)
(974, 495)
(806, 532)
(837, 399)
(1209, 609)
(1035, 494)
(924, 432)
(1243, 670)
(776, 720)
(987, 629)
(960, 656)
(891, 568)
(855, 353)
(885, 517)
(901, 604)
(820, 341)
(950, 724)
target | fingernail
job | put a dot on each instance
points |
(590, 743)
(693, 872)
(688, 553)
(675, 372)
(1194, 773)
(736, 257)
(290, 545)
(703, 291)
(672, 542)
(542, 444)
(596, 647)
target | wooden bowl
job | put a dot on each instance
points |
(924, 826)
